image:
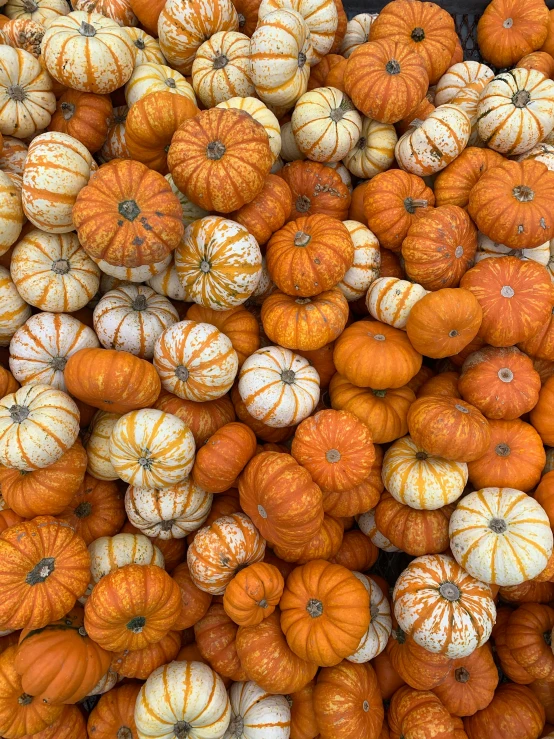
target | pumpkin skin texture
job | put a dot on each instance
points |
(8, 383)
(470, 683)
(84, 116)
(194, 602)
(302, 711)
(220, 159)
(109, 553)
(324, 612)
(223, 457)
(46, 568)
(253, 594)
(515, 457)
(389, 680)
(348, 702)
(376, 637)
(324, 545)
(203, 419)
(316, 189)
(114, 713)
(449, 428)
(132, 607)
(96, 509)
(280, 497)
(268, 211)
(541, 415)
(215, 637)
(526, 640)
(255, 713)
(385, 80)
(118, 215)
(269, 434)
(511, 204)
(419, 668)
(539, 60)
(309, 255)
(358, 499)
(221, 550)
(112, 380)
(454, 184)
(418, 712)
(390, 300)
(503, 42)
(514, 712)
(445, 383)
(70, 724)
(501, 535)
(394, 360)
(59, 663)
(444, 322)
(435, 590)
(357, 552)
(544, 494)
(269, 661)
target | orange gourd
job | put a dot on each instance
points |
(223, 457)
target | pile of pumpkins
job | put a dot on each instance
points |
(276, 301)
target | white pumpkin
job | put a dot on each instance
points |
(341, 170)
(40, 11)
(366, 264)
(11, 212)
(377, 635)
(357, 33)
(109, 553)
(14, 311)
(487, 248)
(168, 283)
(256, 714)
(222, 69)
(191, 211)
(134, 274)
(501, 536)
(131, 317)
(540, 153)
(390, 300)
(155, 77)
(278, 387)
(168, 514)
(98, 446)
(261, 114)
(39, 350)
(321, 18)
(366, 522)
(147, 49)
(13, 155)
(458, 77)
(106, 682)
(373, 152)
(420, 480)
(289, 148)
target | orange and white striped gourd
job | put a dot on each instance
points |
(156, 77)
(167, 283)
(115, 146)
(14, 311)
(118, 10)
(260, 113)
(109, 553)
(501, 536)
(366, 522)
(487, 248)
(221, 69)
(131, 317)
(195, 361)
(540, 153)
(421, 480)
(40, 11)
(133, 274)
(39, 350)
(373, 152)
(458, 77)
(98, 446)
(357, 33)
(151, 449)
(13, 155)
(390, 300)
(379, 630)
(321, 18)
(147, 49)
(366, 264)
(278, 387)
(257, 714)
(11, 212)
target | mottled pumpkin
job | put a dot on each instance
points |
(470, 683)
(409, 709)
(514, 713)
(454, 184)
(323, 546)
(541, 415)
(316, 189)
(96, 509)
(507, 31)
(362, 497)
(215, 636)
(419, 668)
(268, 211)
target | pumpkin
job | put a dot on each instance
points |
(114, 146)
(323, 546)
(248, 15)
(269, 661)
(436, 142)
(114, 713)
(543, 494)
(531, 591)
(140, 663)
(254, 712)
(427, 30)
(70, 724)
(85, 116)
(253, 594)
(322, 360)
(8, 383)
(449, 427)
(151, 449)
(509, 189)
(13, 155)
(373, 152)
(316, 190)
(195, 361)
(20, 713)
(260, 113)
(385, 79)
(53, 272)
(457, 77)
(48, 200)
(360, 498)
(147, 49)
(240, 326)
(515, 457)
(268, 211)
(543, 690)
(389, 680)
(39, 350)
(435, 590)
(392, 201)
(541, 415)
(420, 668)
(281, 499)
(111, 380)
(357, 33)
(303, 723)
(366, 263)
(263, 431)
(119, 10)
(469, 684)
(120, 193)
(366, 522)
(389, 347)
(507, 31)
(376, 637)
(59, 662)
(117, 623)
(416, 532)
(526, 640)
(538, 60)
(218, 263)
(44, 491)
(513, 712)
(97, 445)
(320, 71)
(215, 637)
(455, 183)
(48, 555)
(515, 297)
(182, 694)
(412, 710)
(278, 387)
(109, 553)
(221, 69)
(500, 382)
(41, 12)
(390, 300)
(223, 457)
(539, 346)
(203, 419)
(150, 77)
(11, 212)
(227, 147)
(96, 509)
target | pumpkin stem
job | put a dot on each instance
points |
(43, 569)
(392, 67)
(508, 23)
(82, 631)
(137, 624)
(418, 34)
(220, 61)
(503, 450)
(263, 603)
(373, 612)
(314, 608)
(399, 635)
(380, 337)
(60, 266)
(19, 413)
(182, 373)
(303, 204)
(145, 463)
(450, 591)
(139, 303)
(29, 6)
(301, 60)
(461, 408)
(421, 455)
(361, 143)
(139, 43)
(412, 203)
(288, 376)
(16, 92)
(498, 525)
(459, 252)
(507, 291)
(365, 706)
(453, 333)
(83, 510)
(166, 525)
(262, 511)
(215, 150)
(124, 732)
(337, 114)
(521, 98)
(86, 29)
(242, 20)
(506, 374)
(379, 393)
(25, 699)
(58, 363)
(68, 111)
(205, 266)
(547, 636)
(181, 729)
(303, 301)
(523, 193)
(170, 82)
(236, 727)
(301, 238)
(332, 456)
(129, 209)
(461, 675)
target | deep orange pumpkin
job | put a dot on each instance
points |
(215, 635)
(507, 30)
(361, 498)
(454, 184)
(324, 545)
(322, 360)
(96, 509)
(419, 668)
(470, 683)
(389, 680)
(357, 552)
(528, 639)
(303, 723)
(445, 383)
(514, 713)
(544, 494)
(316, 188)
(203, 419)
(223, 457)
(253, 594)
(194, 602)
(114, 714)
(8, 383)
(541, 416)
(269, 210)
(83, 115)
(413, 710)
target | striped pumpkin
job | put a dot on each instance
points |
(443, 608)
(109, 553)
(132, 274)
(278, 387)
(257, 714)
(37, 425)
(390, 300)
(39, 350)
(53, 272)
(56, 170)
(14, 311)
(11, 212)
(379, 630)
(221, 68)
(151, 449)
(540, 153)
(458, 77)
(147, 49)
(155, 77)
(501, 536)
(366, 264)
(168, 514)
(42, 11)
(98, 446)
(118, 10)
(167, 283)
(373, 152)
(260, 113)
(195, 361)
(320, 16)
(421, 480)
(357, 33)
(366, 522)
(13, 155)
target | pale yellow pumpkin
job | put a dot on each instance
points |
(367, 261)
(373, 152)
(98, 446)
(147, 49)
(14, 311)
(109, 553)
(357, 33)
(151, 77)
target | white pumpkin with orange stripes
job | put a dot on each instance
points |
(320, 16)
(501, 536)
(115, 146)
(377, 635)
(390, 300)
(357, 33)
(167, 283)
(37, 425)
(458, 77)
(147, 48)
(13, 155)
(260, 113)
(373, 152)
(14, 311)
(130, 318)
(154, 77)
(278, 387)
(132, 274)
(366, 264)
(98, 445)
(168, 514)
(366, 522)
(222, 69)
(325, 124)
(256, 714)
(53, 272)
(109, 553)
(195, 361)
(11, 212)
(39, 350)
(151, 449)
(420, 480)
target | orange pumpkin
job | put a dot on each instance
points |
(247, 11)
(316, 189)
(269, 210)
(541, 344)
(83, 115)
(419, 113)
(361, 498)
(514, 713)
(508, 30)
(96, 509)
(319, 72)
(470, 683)
(303, 723)
(389, 680)
(215, 637)
(223, 505)
(253, 594)
(114, 713)
(140, 663)
(454, 184)
(324, 545)
(356, 211)
(128, 215)
(357, 552)
(531, 591)
(538, 60)
(194, 602)
(516, 298)
(508, 664)
(223, 457)
(419, 668)
(526, 640)
(544, 494)
(8, 383)
(220, 159)
(409, 709)
(392, 201)
(322, 360)
(541, 416)
(445, 383)
(203, 419)
(544, 690)
(417, 381)
(70, 724)
(8, 518)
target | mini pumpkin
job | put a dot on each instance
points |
(508, 31)
(96, 509)
(223, 457)
(203, 419)
(85, 116)
(373, 152)
(316, 189)
(253, 594)
(454, 184)
(222, 68)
